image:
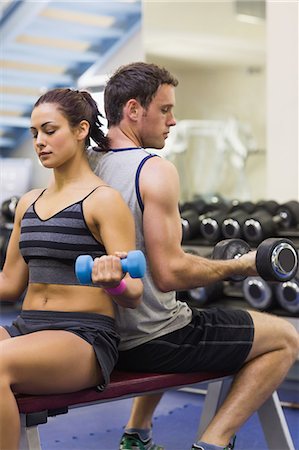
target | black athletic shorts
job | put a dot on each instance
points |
(215, 340)
(98, 330)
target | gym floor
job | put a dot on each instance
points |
(175, 423)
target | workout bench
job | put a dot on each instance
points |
(35, 409)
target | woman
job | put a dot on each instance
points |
(64, 339)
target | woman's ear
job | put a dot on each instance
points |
(83, 130)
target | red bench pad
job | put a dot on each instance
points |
(122, 384)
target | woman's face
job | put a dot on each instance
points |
(55, 142)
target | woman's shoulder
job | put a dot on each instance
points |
(26, 200)
(29, 197)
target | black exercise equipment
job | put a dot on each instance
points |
(258, 293)
(212, 223)
(193, 212)
(276, 259)
(233, 224)
(202, 204)
(8, 208)
(206, 294)
(262, 224)
(287, 295)
(190, 225)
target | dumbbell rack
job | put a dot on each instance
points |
(232, 293)
(233, 296)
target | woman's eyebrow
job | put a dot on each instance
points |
(42, 125)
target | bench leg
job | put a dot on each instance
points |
(274, 425)
(29, 436)
(216, 394)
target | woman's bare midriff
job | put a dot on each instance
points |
(54, 297)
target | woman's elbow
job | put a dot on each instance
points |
(134, 303)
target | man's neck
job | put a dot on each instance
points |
(122, 138)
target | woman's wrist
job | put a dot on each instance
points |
(118, 290)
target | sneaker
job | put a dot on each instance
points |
(230, 446)
(133, 442)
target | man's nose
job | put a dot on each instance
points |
(172, 121)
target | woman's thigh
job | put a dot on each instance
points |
(50, 361)
(4, 334)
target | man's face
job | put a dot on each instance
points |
(157, 119)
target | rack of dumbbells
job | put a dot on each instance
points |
(207, 223)
(7, 214)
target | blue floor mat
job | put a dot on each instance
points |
(175, 425)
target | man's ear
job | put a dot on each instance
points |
(132, 108)
(83, 130)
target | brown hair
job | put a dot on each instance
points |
(137, 80)
(77, 106)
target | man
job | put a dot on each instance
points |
(165, 335)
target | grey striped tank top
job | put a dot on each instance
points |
(50, 247)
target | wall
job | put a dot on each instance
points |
(221, 93)
(282, 100)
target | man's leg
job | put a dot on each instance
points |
(142, 411)
(275, 348)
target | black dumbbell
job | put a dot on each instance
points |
(287, 294)
(232, 226)
(190, 224)
(8, 208)
(262, 224)
(258, 293)
(206, 294)
(198, 205)
(210, 222)
(191, 213)
(276, 259)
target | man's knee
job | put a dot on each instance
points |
(272, 333)
(292, 340)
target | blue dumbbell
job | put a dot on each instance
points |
(134, 264)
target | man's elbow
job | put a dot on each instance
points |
(164, 282)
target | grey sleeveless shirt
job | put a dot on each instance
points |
(159, 313)
(50, 246)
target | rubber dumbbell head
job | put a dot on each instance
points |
(134, 264)
(277, 259)
(8, 208)
(231, 249)
(190, 224)
(258, 293)
(287, 295)
(288, 214)
(206, 294)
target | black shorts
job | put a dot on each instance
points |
(98, 330)
(215, 340)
